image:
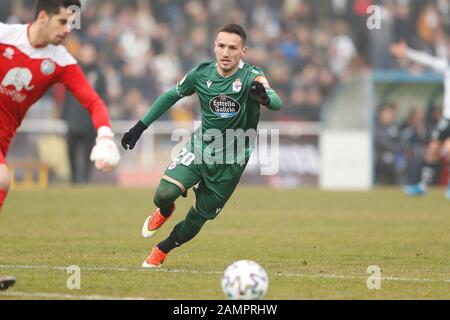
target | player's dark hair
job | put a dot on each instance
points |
(235, 28)
(53, 7)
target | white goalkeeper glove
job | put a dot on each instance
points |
(105, 154)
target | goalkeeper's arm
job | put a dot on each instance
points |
(157, 109)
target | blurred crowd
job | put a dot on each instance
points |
(143, 47)
(401, 144)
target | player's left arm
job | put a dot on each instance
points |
(105, 153)
(185, 87)
(261, 92)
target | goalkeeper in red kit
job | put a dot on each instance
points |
(32, 59)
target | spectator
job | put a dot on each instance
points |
(389, 158)
(342, 49)
(413, 136)
(81, 133)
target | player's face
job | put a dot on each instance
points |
(229, 51)
(58, 26)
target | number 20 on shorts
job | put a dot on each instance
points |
(185, 157)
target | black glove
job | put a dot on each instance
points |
(258, 93)
(130, 137)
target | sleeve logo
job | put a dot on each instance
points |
(47, 67)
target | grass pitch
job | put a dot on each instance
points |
(314, 245)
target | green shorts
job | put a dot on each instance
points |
(217, 182)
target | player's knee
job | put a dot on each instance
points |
(209, 206)
(166, 194)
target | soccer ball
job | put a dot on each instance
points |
(245, 280)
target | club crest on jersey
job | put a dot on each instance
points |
(9, 53)
(224, 106)
(47, 67)
(237, 85)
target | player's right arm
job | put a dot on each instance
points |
(402, 51)
(164, 102)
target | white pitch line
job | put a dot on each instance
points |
(7, 266)
(295, 275)
(336, 276)
(64, 296)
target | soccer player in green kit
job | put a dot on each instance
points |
(230, 93)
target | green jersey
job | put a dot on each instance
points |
(228, 113)
(229, 122)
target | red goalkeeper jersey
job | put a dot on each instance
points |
(27, 72)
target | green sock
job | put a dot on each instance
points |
(184, 231)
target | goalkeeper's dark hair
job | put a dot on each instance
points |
(236, 29)
(52, 7)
